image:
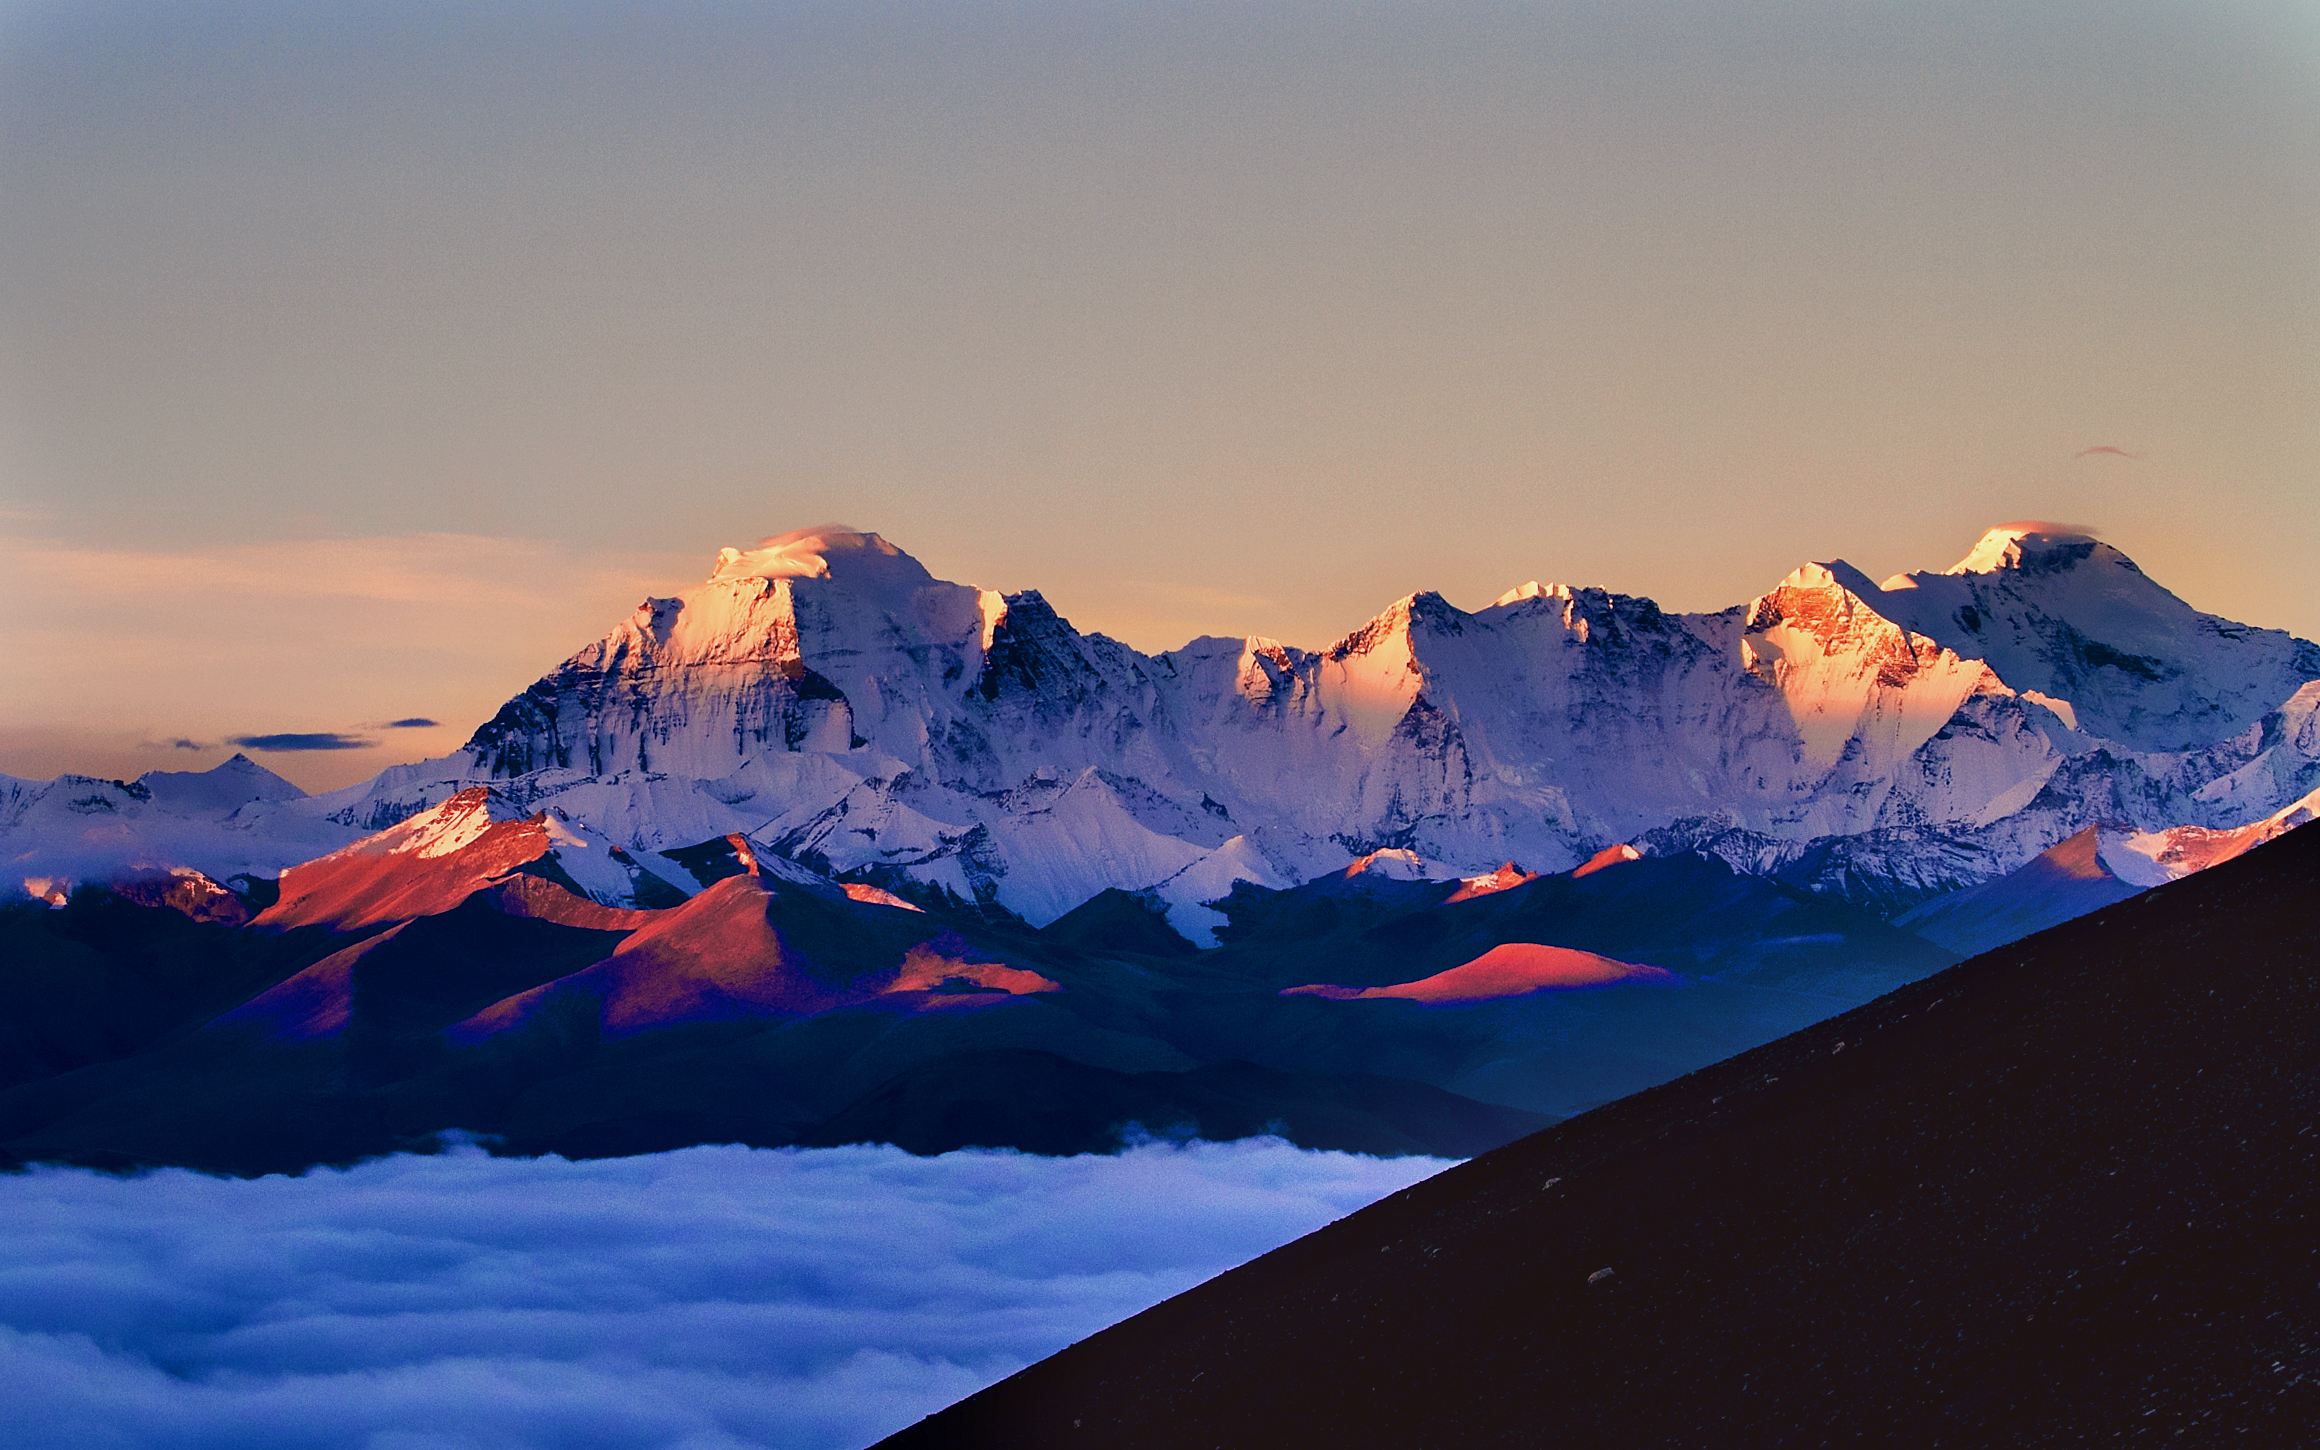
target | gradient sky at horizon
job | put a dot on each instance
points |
(358, 361)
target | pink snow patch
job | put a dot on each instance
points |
(877, 896)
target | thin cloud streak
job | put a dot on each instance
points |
(2106, 450)
(296, 740)
(467, 570)
(2051, 526)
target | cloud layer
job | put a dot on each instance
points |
(706, 1298)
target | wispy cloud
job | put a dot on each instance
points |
(714, 1296)
(411, 722)
(303, 740)
(2106, 450)
(464, 570)
(2051, 526)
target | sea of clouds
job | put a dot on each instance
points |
(712, 1297)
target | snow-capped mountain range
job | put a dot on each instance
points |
(826, 698)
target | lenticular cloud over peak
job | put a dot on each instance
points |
(2047, 526)
(709, 1297)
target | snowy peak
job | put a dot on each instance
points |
(2035, 546)
(1531, 589)
(825, 693)
(2088, 870)
(1586, 614)
(1021, 628)
(441, 830)
(827, 551)
(237, 782)
(2152, 858)
(1264, 668)
(1829, 575)
(1830, 599)
(817, 641)
(477, 839)
(1390, 631)
(1860, 689)
(1490, 883)
(422, 866)
(1389, 864)
(2057, 612)
(1820, 620)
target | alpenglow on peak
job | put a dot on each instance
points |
(827, 696)
(813, 553)
(2027, 544)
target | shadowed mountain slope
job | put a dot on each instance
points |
(469, 969)
(2062, 882)
(2064, 1193)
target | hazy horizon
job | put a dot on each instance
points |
(362, 361)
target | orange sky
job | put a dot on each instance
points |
(358, 362)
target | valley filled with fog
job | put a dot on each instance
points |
(706, 1297)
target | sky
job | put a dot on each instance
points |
(360, 361)
(711, 1298)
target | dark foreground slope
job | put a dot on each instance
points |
(2065, 1193)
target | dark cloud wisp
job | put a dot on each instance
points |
(709, 1297)
(303, 740)
(411, 722)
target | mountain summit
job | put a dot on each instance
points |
(2032, 546)
(848, 557)
(824, 848)
(826, 696)
(827, 693)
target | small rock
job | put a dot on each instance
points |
(1599, 1275)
